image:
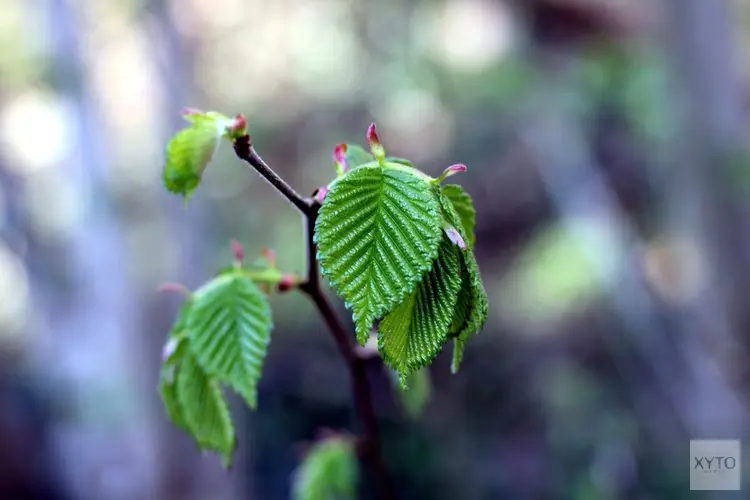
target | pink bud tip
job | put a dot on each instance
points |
(455, 237)
(270, 256)
(174, 288)
(320, 196)
(169, 348)
(240, 124)
(455, 169)
(452, 170)
(239, 252)
(190, 111)
(376, 148)
(339, 158)
(288, 281)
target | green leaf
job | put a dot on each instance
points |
(413, 333)
(415, 397)
(377, 232)
(167, 386)
(329, 472)
(188, 154)
(471, 307)
(356, 156)
(172, 354)
(204, 410)
(229, 329)
(464, 207)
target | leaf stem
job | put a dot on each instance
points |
(369, 440)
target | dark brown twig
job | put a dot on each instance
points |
(369, 440)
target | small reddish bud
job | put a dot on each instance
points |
(455, 237)
(339, 158)
(288, 281)
(452, 170)
(376, 148)
(239, 252)
(270, 256)
(320, 195)
(237, 127)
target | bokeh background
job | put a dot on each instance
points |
(606, 146)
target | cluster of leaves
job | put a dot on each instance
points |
(220, 337)
(397, 246)
(395, 243)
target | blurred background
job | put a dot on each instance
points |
(605, 142)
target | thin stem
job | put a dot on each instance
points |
(369, 440)
(244, 150)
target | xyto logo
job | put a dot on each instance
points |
(714, 465)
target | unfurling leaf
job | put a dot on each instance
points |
(229, 329)
(188, 154)
(377, 232)
(464, 207)
(415, 396)
(328, 472)
(191, 150)
(413, 333)
(471, 306)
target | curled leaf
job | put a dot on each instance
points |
(188, 154)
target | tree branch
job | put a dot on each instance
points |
(244, 150)
(369, 440)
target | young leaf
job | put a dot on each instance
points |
(188, 154)
(204, 410)
(168, 387)
(377, 232)
(229, 330)
(415, 397)
(471, 306)
(328, 472)
(172, 354)
(464, 207)
(413, 333)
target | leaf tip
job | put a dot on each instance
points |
(376, 147)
